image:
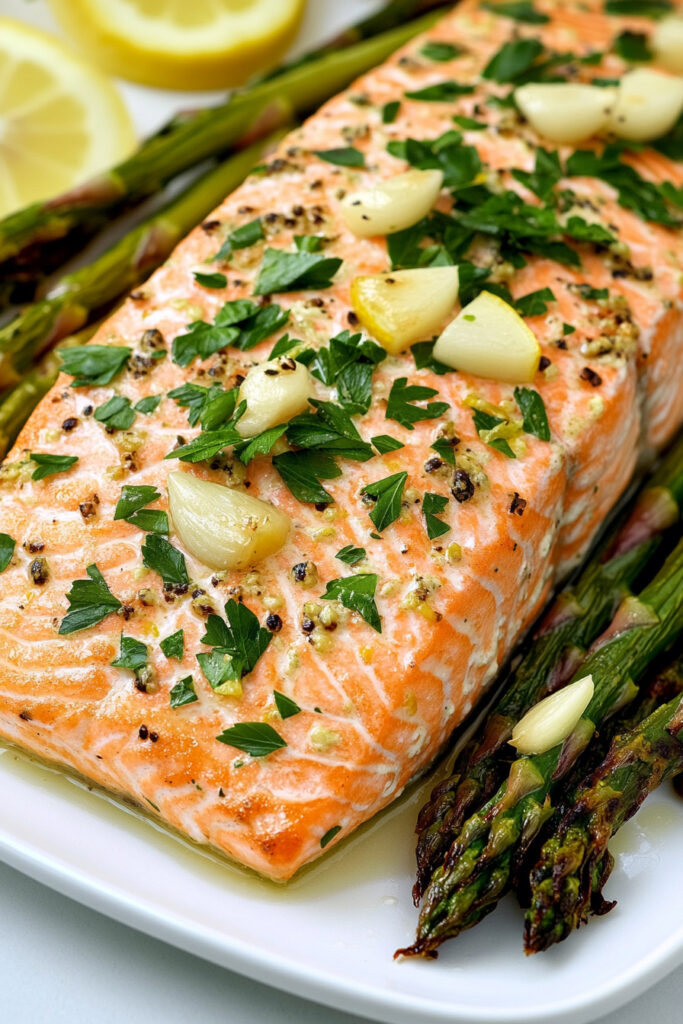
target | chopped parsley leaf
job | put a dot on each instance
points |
(385, 443)
(388, 494)
(302, 472)
(242, 640)
(208, 444)
(632, 47)
(214, 280)
(291, 271)
(349, 363)
(518, 10)
(588, 292)
(259, 445)
(567, 329)
(532, 407)
(422, 354)
(48, 465)
(545, 175)
(401, 409)
(148, 405)
(439, 51)
(90, 601)
(94, 364)
(286, 707)
(485, 422)
(357, 593)
(183, 693)
(329, 836)
(133, 654)
(241, 238)
(159, 555)
(255, 738)
(440, 92)
(351, 555)
(443, 447)
(346, 156)
(534, 303)
(173, 646)
(213, 406)
(218, 669)
(240, 323)
(390, 111)
(131, 507)
(330, 429)
(117, 413)
(434, 505)
(639, 8)
(513, 60)
(634, 193)
(7, 545)
(469, 123)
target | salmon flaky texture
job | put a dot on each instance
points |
(376, 707)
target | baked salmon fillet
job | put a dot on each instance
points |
(269, 710)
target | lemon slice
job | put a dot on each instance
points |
(61, 121)
(182, 44)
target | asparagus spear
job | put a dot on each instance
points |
(68, 305)
(578, 615)
(568, 879)
(477, 868)
(195, 135)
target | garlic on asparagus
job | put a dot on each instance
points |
(222, 527)
(490, 339)
(566, 112)
(404, 306)
(553, 719)
(392, 205)
(274, 391)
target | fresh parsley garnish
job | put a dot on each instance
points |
(294, 271)
(513, 60)
(329, 836)
(329, 429)
(214, 280)
(148, 405)
(133, 654)
(390, 111)
(94, 364)
(444, 449)
(240, 323)
(7, 545)
(173, 646)
(422, 354)
(348, 363)
(534, 303)
(388, 494)
(241, 238)
(208, 444)
(260, 445)
(351, 555)
(286, 707)
(441, 92)
(588, 292)
(255, 738)
(206, 404)
(434, 505)
(545, 175)
(357, 593)
(302, 472)
(218, 670)
(48, 465)
(159, 555)
(634, 192)
(131, 507)
(90, 601)
(242, 640)
(347, 156)
(639, 8)
(484, 422)
(469, 123)
(532, 408)
(439, 51)
(519, 10)
(632, 47)
(117, 413)
(183, 693)
(400, 405)
(385, 443)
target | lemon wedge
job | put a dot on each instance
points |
(182, 44)
(404, 306)
(61, 121)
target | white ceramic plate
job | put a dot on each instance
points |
(330, 935)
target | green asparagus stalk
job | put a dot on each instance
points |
(18, 405)
(477, 868)
(579, 614)
(567, 882)
(194, 136)
(69, 305)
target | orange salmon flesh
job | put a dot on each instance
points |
(375, 707)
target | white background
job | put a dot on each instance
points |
(63, 963)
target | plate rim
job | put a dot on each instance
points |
(314, 983)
